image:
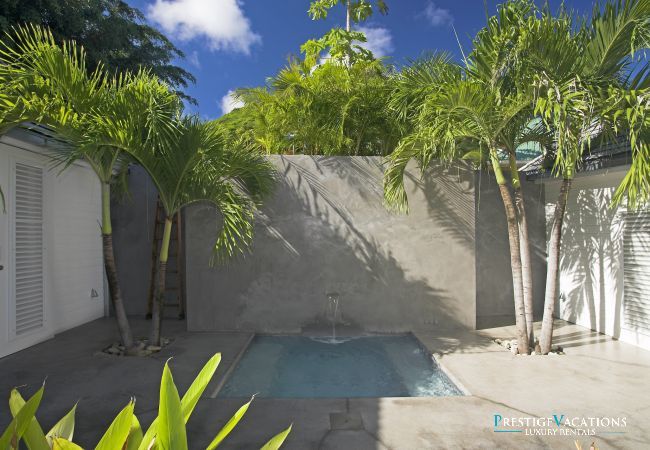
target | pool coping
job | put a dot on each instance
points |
(232, 367)
(436, 357)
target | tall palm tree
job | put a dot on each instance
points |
(461, 117)
(53, 84)
(585, 81)
(193, 165)
(497, 61)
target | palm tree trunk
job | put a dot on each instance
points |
(111, 271)
(159, 292)
(553, 267)
(515, 257)
(526, 263)
(348, 8)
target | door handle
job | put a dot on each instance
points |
(1, 267)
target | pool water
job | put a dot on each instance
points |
(298, 366)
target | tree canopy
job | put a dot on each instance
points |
(111, 32)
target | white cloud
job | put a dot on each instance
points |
(221, 22)
(380, 40)
(438, 16)
(229, 102)
(193, 59)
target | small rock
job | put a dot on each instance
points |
(552, 353)
(533, 353)
(154, 348)
(113, 350)
(560, 353)
(513, 350)
(498, 341)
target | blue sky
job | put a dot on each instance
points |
(232, 43)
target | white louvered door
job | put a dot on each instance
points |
(27, 311)
(636, 268)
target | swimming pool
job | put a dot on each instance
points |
(304, 367)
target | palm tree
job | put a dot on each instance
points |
(53, 84)
(192, 165)
(331, 109)
(497, 61)
(459, 118)
(584, 77)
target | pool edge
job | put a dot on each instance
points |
(437, 358)
(232, 367)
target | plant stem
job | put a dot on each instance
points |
(159, 294)
(553, 265)
(515, 255)
(526, 263)
(111, 271)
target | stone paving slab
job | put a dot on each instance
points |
(598, 377)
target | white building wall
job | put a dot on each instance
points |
(591, 279)
(73, 268)
(73, 262)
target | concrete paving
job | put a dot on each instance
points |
(597, 377)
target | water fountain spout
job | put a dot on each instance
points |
(332, 311)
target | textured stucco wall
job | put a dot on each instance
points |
(133, 218)
(494, 292)
(326, 229)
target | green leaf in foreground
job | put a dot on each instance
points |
(228, 427)
(64, 428)
(116, 435)
(21, 422)
(277, 440)
(34, 437)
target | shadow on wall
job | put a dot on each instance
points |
(133, 218)
(494, 302)
(326, 230)
(591, 284)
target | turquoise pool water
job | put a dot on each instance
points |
(304, 367)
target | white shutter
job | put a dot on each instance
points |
(636, 269)
(28, 309)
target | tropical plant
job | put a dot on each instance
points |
(497, 61)
(167, 431)
(481, 112)
(114, 35)
(332, 109)
(342, 45)
(52, 83)
(591, 81)
(192, 165)
(457, 120)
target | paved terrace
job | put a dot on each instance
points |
(597, 377)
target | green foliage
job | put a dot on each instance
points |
(167, 431)
(559, 80)
(341, 44)
(113, 34)
(360, 10)
(586, 86)
(192, 164)
(333, 109)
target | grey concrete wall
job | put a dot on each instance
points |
(494, 292)
(133, 218)
(326, 229)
